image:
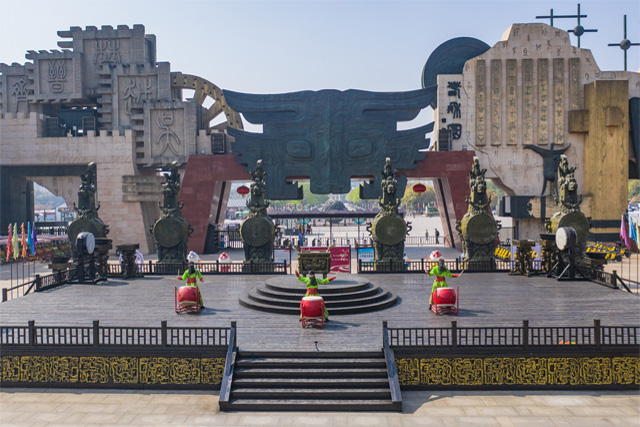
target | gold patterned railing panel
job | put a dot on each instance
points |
(519, 371)
(112, 370)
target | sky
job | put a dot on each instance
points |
(285, 46)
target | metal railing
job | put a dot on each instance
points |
(38, 284)
(392, 371)
(104, 336)
(216, 267)
(229, 366)
(419, 266)
(522, 336)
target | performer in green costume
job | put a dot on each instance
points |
(440, 271)
(312, 287)
(191, 274)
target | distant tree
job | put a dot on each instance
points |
(44, 199)
(308, 199)
(633, 188)
(311, 198)
(354, 197)
(495, 193)
(417, 201)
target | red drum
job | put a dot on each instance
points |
(186, 297)
(444, 296)
(312, 306)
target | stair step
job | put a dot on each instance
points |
(331, 304)
(311, 405)
(300, 362)
(310, 354)
(305, 393)
(311, 382)
(365, 308)
(309, 373)
(326, 294)
(333, 288)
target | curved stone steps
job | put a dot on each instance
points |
(345, 295)
(327, 294)
(381, 295)
(290, 284)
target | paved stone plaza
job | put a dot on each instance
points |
(493, 408)
(486, 299)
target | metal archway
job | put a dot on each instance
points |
(204, 88)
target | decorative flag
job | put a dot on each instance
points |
(29, 244)
(34, 240)
(16, 247)
(9, 244)
(23, 241)
(623, 233)
(632, 230)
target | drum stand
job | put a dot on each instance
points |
(86, 270)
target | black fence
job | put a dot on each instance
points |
(103, 336)
(419, 266)
(39, 284)
(217, 267)
(519, 336)
(52, 228)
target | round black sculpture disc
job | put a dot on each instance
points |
(389, 230)
(256, 231)
(482, 229)
(168, 232)
(449, 58)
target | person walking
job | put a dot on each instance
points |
(437, 236)
(426, 236)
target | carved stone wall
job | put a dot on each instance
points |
(523, 91)
(170, 131)
(519, 371)
(122, 45)
(111, 371)
(57, 76)
(16, 87)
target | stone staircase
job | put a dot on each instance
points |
(302, 381)
(348, 294)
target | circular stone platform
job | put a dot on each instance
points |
(347, 294)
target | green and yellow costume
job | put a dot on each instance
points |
(190, 278)
(440, 281)
(312, 289)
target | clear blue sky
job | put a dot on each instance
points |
(276, 46)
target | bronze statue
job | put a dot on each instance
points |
(388, 228)
(550, 163)
(257, 230)
(568, 201)
(87, 218)
(171, 232)
(477, 228)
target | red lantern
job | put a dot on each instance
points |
(244, 190)
(419, 188)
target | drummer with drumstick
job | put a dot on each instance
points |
(440, 271)
(312, 287)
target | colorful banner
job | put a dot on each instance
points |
(340, 257)
(282, 255)
(16, 246)
(365, 254)
(9, 244)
